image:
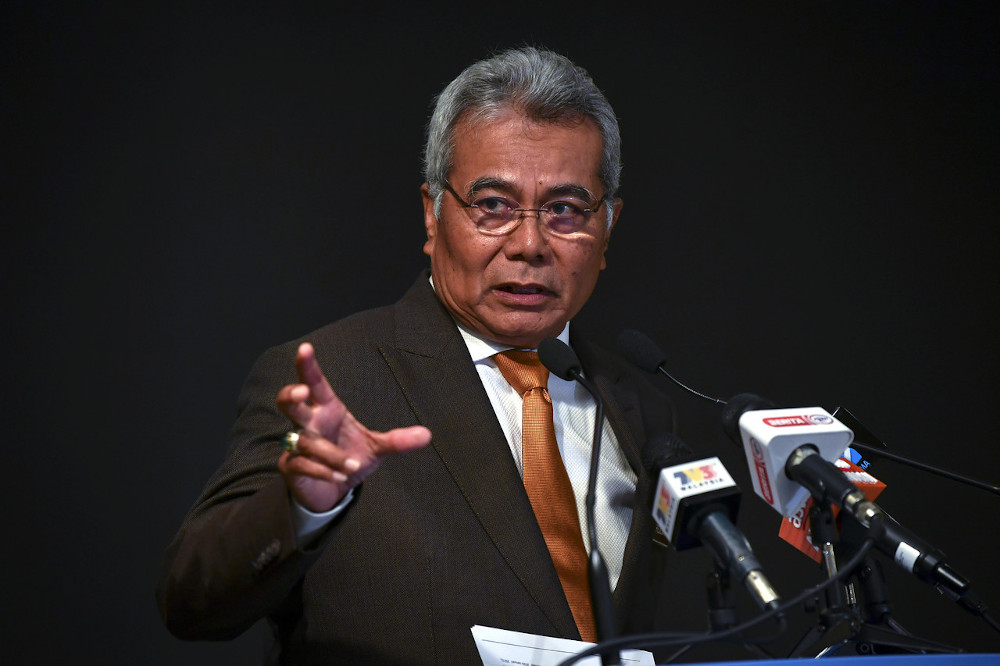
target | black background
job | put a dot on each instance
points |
(811, 214)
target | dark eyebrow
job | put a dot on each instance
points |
(571, 190)
(564, 190)
(488, 183)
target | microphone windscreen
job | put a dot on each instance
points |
(640, 350)
(736, 407)
(664, 451)
(557, 356)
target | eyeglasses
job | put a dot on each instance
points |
(497, 216)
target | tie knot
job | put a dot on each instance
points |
(522, 369)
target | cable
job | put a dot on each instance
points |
(643, 641)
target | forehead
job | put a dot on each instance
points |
(528, 153)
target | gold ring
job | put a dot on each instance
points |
(290, 442)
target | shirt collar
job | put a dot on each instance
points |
(480, 348)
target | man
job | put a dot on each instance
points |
(397, 517)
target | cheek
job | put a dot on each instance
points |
(477, 252)
(465, 256)
(588, 261)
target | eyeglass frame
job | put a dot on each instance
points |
(593, 208)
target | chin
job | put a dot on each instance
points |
(526, 339)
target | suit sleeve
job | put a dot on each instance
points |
(236, 558)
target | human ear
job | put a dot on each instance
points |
(430, 219)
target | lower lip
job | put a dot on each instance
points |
(523, 299)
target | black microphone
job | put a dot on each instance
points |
(563, 363)
(802, 457)
(663, 451)
(640, 350)
(695, 504)
(643, 352)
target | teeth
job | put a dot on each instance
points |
(522, 289)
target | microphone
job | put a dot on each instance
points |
(643, 352)
(562, 361)
(640, 350)
(695, 504)
(790, 454)
(664, 451)
(798, 529)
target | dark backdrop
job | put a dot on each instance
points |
(811, 214)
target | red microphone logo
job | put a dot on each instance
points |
(761, 468)
(807, 420)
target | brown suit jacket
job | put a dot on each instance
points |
(434, 541)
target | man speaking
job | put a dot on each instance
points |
(401, 475)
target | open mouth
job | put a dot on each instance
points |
(526, 289)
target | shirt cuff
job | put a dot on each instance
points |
(309, 524)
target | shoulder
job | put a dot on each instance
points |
(353, 351)
(358, 335)
(351, 337)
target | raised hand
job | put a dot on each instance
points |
(335, 452)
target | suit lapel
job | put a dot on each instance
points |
(435, 373)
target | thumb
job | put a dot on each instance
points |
(402, 440)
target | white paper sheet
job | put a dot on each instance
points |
(499, 647)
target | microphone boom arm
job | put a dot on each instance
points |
(924, 467)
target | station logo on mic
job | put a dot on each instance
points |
(705, 479)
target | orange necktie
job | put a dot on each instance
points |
(547, 483)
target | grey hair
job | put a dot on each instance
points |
(545, 86)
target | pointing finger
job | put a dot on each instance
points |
(312, 376)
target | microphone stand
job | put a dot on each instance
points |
(840, 621)
(597, 570)
(722, 609)
(837, 623)
(561, 360)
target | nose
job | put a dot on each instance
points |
(527, 241)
